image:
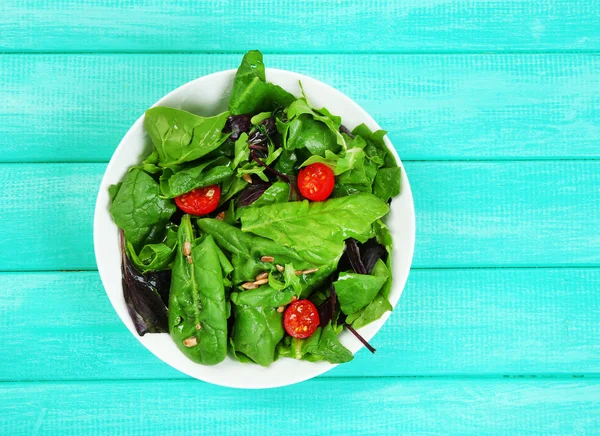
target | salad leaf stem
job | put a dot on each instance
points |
(360, 338)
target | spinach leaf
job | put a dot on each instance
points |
(339, 164)
(302, 107)
(278, 192)
(138, 209)
(330, 223)
(290, 280)
(264, 295)
(113, 190)
(371, 313)
(251, 93)
(376, 148)
(150, 164)
(230, 187)
(197, 307)
(286, 162)
(384, 237)
(242, 151)
(380, 304)
(175, 182)
(155, 257)
(387, 183)
(355, 291)
(256, 332)
(305, 131)
(179, 136)
(343, 190)
(323, 344)
(247, 250)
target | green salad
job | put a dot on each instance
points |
(257, 232)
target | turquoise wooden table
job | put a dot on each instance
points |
(493, 105)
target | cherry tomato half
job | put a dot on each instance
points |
(199, 201)
(301, 319)
(316, 181)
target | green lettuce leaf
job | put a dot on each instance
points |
(339, 164)
(330, 223)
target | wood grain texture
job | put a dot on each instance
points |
(489, 322)
(58, 108)
(468, 214)
(299, 26)
(357, 407)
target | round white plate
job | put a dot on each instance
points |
(208, 96)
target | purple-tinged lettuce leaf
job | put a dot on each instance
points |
(143, 297)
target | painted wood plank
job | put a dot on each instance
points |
(61, 108)
(468, 214)
(299, 26)
(357, 407)
(488, 322)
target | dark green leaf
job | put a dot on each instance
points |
(376, 148)
(174, 183)
(286, 162)
(137, 208)
(230, 187)
(113, 190)
(155, 257)
(256, 332)
(197, 306)
(278, 192)
(246, 250)
(323, 344)
(387, 183)
(179, 136)
(355, 291)
(264, 295)
(305, 131)
(251, 93)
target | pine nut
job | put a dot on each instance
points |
(221, 216)
(189, 259)
(280, 268)
(198, 326)
(247, 177)
(191, 341)
(261, 282)
(267, 259)
(261, 276)
(249, 285)
(187, 248)
(280, 309)
(310, 271)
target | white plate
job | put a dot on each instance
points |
(206, 96)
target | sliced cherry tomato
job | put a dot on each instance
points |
(316, 181)
(199, 201)
(301, 319)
